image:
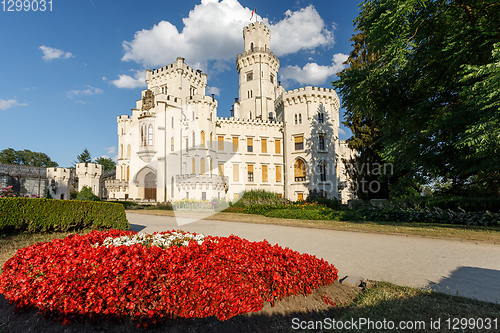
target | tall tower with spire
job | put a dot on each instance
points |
(258, 69)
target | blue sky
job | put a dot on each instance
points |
(66, 75)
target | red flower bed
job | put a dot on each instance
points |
(222, 277)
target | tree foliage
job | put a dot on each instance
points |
(426, 83)
(107, 163)
(84, 157)
(26, 157)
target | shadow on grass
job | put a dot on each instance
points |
(380, 302)
(471, 282)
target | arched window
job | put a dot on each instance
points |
(300, 118)
(299, 169)
(62, 196)
(121, 150)
(193, 163)
(150, 135)
(251, 46)
(194, 142)
(321, 118)
(211, 140)
(202, 138)
(322, 171)
(172, 144)
(202, 166)
(250, 115)
(295, 119)
(128, 172)
(128, 151)
(210, 165)
(172, 188)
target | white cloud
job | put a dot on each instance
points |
(213, 29)
(90, 91)
(300, 30)
(50, 53)
(213, 90)
(9, 103)
(129, 82)
(312, 73)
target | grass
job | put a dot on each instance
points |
(386, 301)
(380, 301)
(476, 234)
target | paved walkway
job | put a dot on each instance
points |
(466, 269)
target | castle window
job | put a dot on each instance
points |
(235, 143)
(202, 166)
(202, 136)
(263, 146)
(128, 172)
(250, 145)
(128, 151)
(150, 135)
(211, 165)
(220, 143)
(250, 76)
(300, 118)
(172, 144)
(322, 171)
(211, 140)
(121, 151)
(278, 173)
(193, 165)
(321, 117)
(194, 143)
(299, 142)
(277, 146)
(295, 119)
(221, 169)
(321, 142)
(236, 173)
(264, 173)
(250, 115)
(271, 78)
(172, 122)
(299, 169)
(251, 46)
(142, 136)
(250, 173)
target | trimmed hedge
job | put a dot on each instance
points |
(41, 215)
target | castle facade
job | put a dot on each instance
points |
(174, 146)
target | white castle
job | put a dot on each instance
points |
(174, 146)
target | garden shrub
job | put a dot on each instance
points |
(330, 203)
(41, 215)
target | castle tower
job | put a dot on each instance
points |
(89, 174)
(258, 69)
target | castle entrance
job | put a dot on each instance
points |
(150, 186)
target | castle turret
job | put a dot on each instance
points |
(258, 70)
(89, 174)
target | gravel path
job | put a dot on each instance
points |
(463, 268)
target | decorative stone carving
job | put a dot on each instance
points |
(148, 101)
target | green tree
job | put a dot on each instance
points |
(432, 90)
(107, 163)
(84, 157)
(86, 194)
(26, 157)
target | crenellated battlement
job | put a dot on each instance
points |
(89, 170)
(309, 94)
(258, 54)
(252, 27)
(240, 121)
(197, 99)
(123, 118)
(161, 75)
